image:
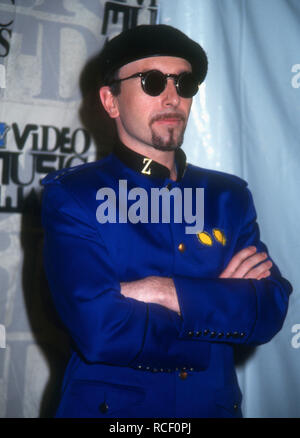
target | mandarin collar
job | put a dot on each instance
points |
(146, 166)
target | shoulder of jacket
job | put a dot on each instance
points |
(216, 177)
(71, 172)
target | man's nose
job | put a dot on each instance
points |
(170, 96)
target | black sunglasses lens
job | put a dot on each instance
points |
(187, 85)
(154, 83)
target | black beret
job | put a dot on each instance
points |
(150, 40)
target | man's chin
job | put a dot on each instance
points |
(167, 144)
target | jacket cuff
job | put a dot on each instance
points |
(219, 310)
(163, 350)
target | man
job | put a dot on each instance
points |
(154, 311)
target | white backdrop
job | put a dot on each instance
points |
(245, 121)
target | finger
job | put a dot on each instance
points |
(265, 275)
(246, 264)
(236, 260)
(250, 264)
(259, 271)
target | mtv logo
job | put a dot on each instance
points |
(3, 131)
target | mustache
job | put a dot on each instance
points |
(164, 116)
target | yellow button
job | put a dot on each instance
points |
(181, 247)
(205, 238)
(183, 375)
(219, 236)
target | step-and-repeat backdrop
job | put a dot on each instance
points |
(245, 120)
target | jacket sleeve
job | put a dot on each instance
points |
(235, 310)
(104, 325)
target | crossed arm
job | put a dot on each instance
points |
(247, 264)
(145, 328)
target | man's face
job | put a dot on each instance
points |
(157, 121)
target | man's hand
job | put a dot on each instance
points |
(160, 290)
(243, 265)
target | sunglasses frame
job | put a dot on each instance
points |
(165, 76)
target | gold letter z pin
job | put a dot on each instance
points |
(146, 170)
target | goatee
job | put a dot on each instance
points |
(171, 144)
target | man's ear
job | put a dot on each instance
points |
(109, 102)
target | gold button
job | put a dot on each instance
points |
(181, 247)
(183, 375)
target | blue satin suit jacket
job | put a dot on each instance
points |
(134, 359)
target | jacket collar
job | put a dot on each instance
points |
(146, 166)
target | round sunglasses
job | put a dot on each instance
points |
(154, 82)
